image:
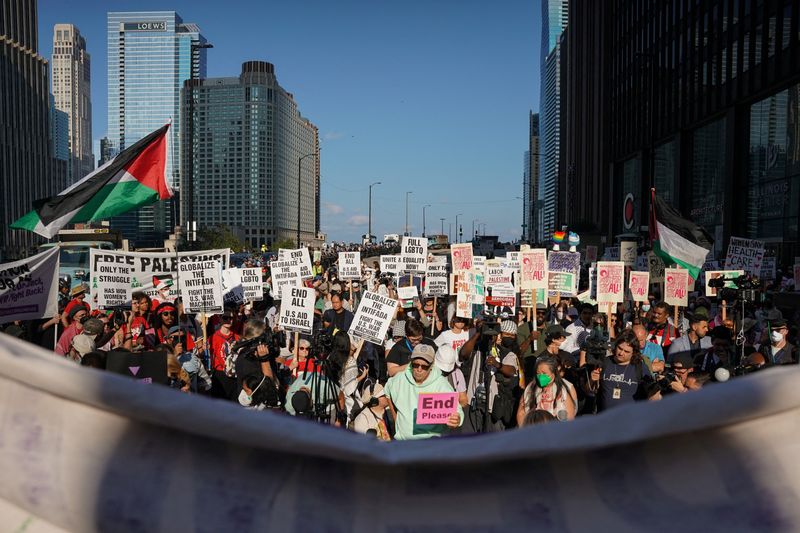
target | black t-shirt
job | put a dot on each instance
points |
(340, 321)
(400, 353)
(246, 366)
(619, 383)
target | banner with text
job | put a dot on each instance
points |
(29, 287)
(201, 286)
(155, 273)
(371, 321)
(745, 254)
(297, 310)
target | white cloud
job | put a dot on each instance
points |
(333, 136)
(332, 209)
(358, 220)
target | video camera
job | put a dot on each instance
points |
(247, 347)
(748, 287)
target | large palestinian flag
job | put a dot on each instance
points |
(677, 240)
(132, 179)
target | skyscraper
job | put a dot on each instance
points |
(245, 151)
(71, 85)
(554, 20)
(150, 55)
(27, 168)
(530, 181)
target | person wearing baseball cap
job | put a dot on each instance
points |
(78, 297)
(402, 391)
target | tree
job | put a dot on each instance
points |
(221, 236)
(285, 243)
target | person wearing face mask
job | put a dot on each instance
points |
(258, 393)
(780, 352)
(554, 337)
(548, 392)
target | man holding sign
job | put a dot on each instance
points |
(416, 400)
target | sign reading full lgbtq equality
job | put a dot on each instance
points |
(372, 318)
(413, 254)
(201, 286)
(297, 310)
(436, 408)
(251, 284)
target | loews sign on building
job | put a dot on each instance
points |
(145, 26)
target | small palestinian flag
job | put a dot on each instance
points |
(132, 179)
(677, 240)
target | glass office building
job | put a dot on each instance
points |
(150, 55)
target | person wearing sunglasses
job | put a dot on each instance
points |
(402, 391)
(166, 316)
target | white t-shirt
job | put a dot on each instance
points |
(455, 340)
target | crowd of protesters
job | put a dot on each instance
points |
(510, 367)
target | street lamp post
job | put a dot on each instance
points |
(442, 225)
(369, 218)
(299, 167)
(189, 193)
(406, 232)
(458, 215)
(474, 220)
(423, 218)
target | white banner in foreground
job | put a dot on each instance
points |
(29, 287)
(273, 464)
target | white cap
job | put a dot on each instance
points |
(446, 358)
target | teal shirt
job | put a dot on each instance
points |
(404, 392)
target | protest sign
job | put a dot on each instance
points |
(479, 263)
(502, 295)
(611, 253)
(563, 262)
(154, 273)
(317, 255)
(144, 367)
(676, 282)
(390, 264)
(498, 275)
(745, 254)
(413, 254)
(641, 263)
(371, 321)
(251, 284)
(407, 293)
(639, 285)
(297, 310)
(461, 256)
(284, 273)
(561, 284)
(533, 269)
(436, 279)
(436, 407)
(768, 268)
(29, 287)
(610, 282)
(591, 254)
(627, 252)
(655, 265)
(526, 297)
(729, 275)
(201, 286)
(349, 265)
(303, 259)
(513, 260)
(110, 274)
(232, 291)
(593, 281)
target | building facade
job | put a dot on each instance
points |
(28, 170)
(702, 103)
(245, 153)
(71, 77)
(554, 21)
(530, 181)
(150, 55)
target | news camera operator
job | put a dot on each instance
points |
(255, 356)
(617, 380)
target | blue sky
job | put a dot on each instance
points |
(428, 96)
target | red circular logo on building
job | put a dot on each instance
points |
(627, 211)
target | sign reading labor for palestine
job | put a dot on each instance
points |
(297, 310)
(371, 321)
(201, 286)
(349, 265)
(414, 254)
